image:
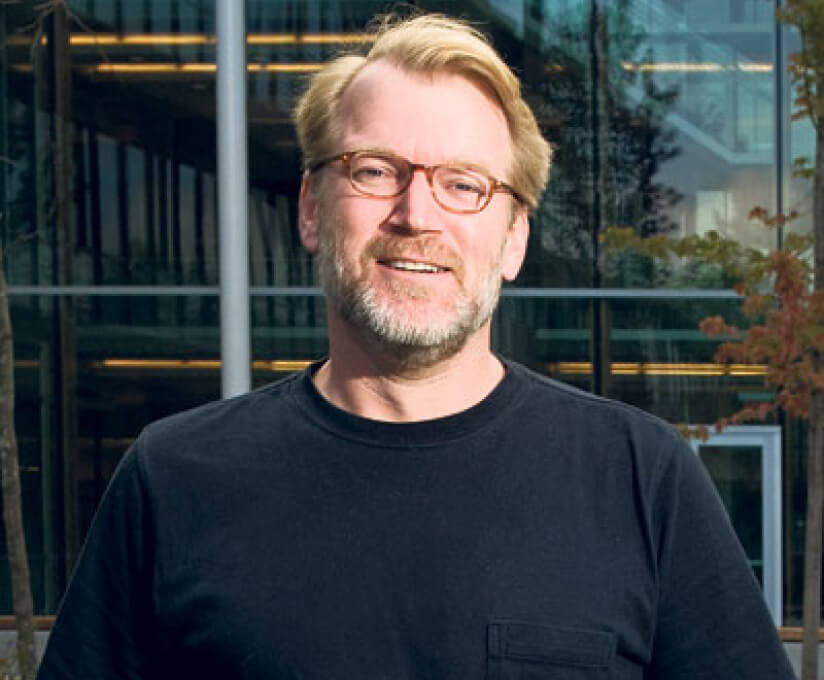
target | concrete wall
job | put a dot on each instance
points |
(794, 652)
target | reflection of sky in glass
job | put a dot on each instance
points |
(157, 129)
(716, 54)
(723, 116)
(513, 11)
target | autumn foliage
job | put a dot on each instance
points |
(786, 333)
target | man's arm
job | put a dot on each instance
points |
(712, 619)
(104, 626)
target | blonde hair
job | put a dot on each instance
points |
(429, 44)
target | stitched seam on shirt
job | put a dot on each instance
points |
(468, 434)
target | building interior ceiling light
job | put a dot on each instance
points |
(26, 363)
(563, 367)
(182, 39)
(137, 39)
(275, 365)
(661, 368)
(153, 39)
(154, 68)
(285, 67)
(695, 67)
(756, 68)
(308, 38)
(143, 68)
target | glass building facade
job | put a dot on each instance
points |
(668, 116)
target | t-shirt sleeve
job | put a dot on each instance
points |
(712, 620)
(104, 624)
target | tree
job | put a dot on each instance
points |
(783, 294)
(807, 73)
(57, 12)
(12, 498)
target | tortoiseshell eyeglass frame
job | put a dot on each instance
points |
(346, 157)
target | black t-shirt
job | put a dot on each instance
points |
(543, 533)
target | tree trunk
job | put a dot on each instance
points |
(12, 502)
(818, 205)
(815, 466)
(66, 373)
(812, 544)
(599, 72)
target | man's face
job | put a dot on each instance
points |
(419, 279)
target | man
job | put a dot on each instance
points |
(413, 506)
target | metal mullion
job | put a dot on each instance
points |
(233, 188)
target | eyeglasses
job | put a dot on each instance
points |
(457, 188)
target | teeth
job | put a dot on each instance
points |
(414, 266)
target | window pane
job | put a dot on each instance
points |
(736, 472)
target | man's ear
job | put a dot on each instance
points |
(515, 246)
(308, 215)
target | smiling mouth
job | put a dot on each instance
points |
(410, 266)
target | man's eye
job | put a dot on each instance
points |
(467, 187)
(461, 183)
(374, 171)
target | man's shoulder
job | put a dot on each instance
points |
(549, 391)
(217, 423)
(582, 416)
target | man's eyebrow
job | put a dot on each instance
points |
(454, 161)
(376, 149)
(468, 164)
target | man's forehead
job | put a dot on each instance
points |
(382, 84)
(375, 74)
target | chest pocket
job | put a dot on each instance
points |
(530, 651)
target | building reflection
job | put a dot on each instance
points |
(663, 114)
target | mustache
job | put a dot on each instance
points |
(427, 248)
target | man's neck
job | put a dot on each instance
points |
(366, 382)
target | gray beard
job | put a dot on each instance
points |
(411, 345)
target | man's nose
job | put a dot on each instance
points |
(418, 206)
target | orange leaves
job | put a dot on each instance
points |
(697, 432)
(789, 338)
(715, 326)
(787, 315)
(802, 167)
(790, 279)
(772, 221)
(757, 412)
(758, 213)
(755, 304)
(807, 65)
